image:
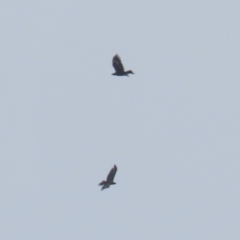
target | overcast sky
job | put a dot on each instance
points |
(172, 128)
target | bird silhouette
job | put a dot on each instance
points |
(119, 69)
(110, 177)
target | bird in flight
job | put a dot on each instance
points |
(119, 69)
(110, 177)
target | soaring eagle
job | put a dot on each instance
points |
(119, 69)
(110, 177)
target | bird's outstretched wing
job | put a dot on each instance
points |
(111, 174)
(117, 64)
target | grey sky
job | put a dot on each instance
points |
(172, 128)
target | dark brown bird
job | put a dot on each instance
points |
(110, 177)
(119, 69)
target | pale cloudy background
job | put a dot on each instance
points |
(173, 128)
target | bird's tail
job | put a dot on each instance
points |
(102, 183)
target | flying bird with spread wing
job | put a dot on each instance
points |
(110, 177)
(119, 69)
